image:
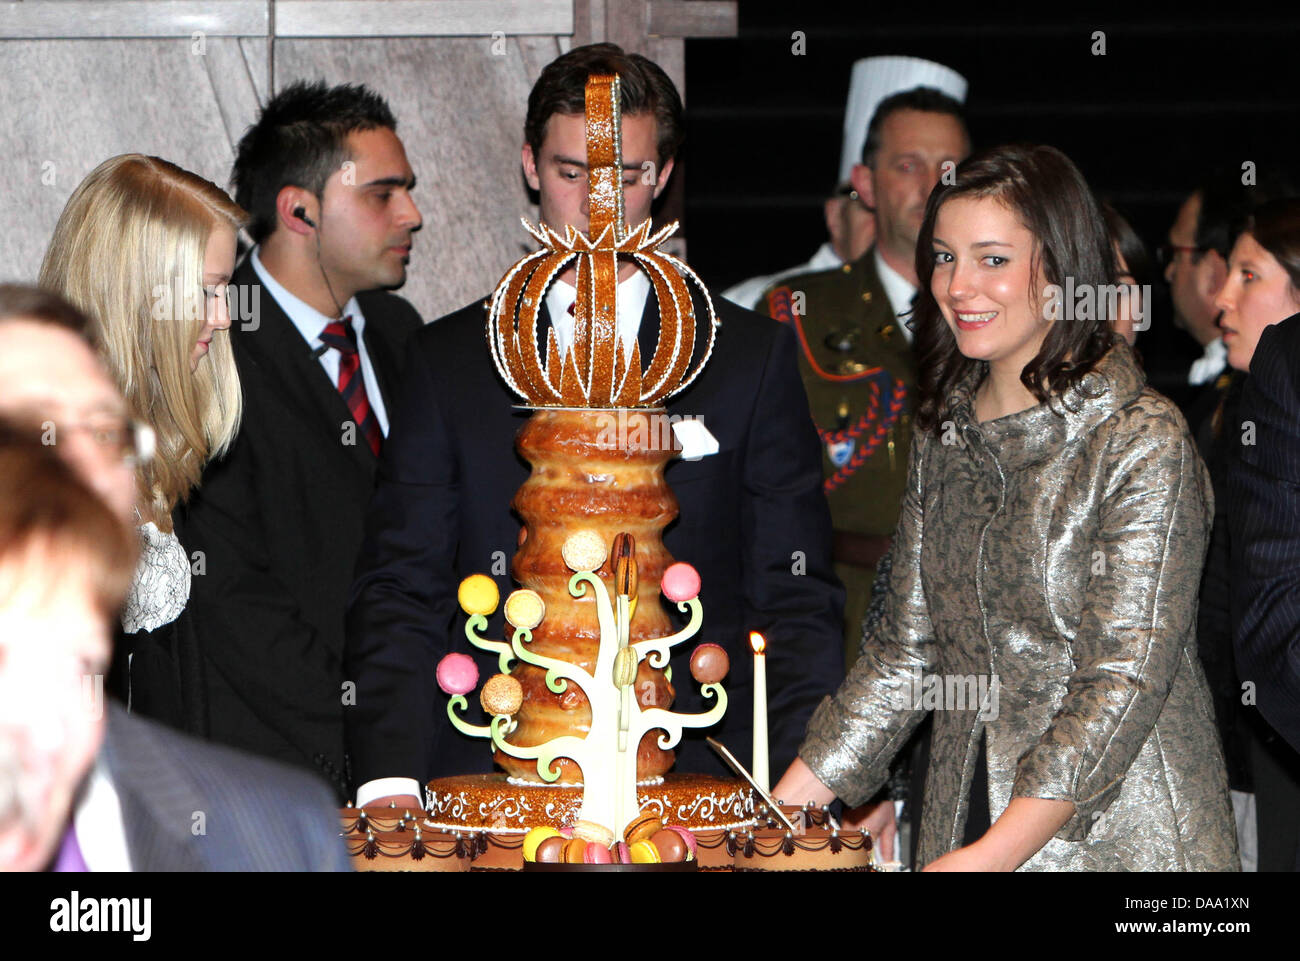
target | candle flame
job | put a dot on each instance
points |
(757, 643)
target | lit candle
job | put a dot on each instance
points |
(761, 775)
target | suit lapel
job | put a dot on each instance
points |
(278, 346)
(158, 806)
(648, 338)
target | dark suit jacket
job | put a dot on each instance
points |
(1218, 440)
(278, 520)
(1264, 530)
(164, 678)
(191, 806)
(441, 511)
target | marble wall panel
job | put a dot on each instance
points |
(459, 101)
(70, 104)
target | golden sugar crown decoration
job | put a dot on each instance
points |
(595, 371)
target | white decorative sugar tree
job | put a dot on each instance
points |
(607, 754)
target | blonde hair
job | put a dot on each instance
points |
(128, 250)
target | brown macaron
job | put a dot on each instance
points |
(551, 850)
(710, 664)
(642, 828)
(670, 844)
(574, 848)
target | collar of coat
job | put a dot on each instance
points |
(1030, 436)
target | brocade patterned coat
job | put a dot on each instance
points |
(1058, 552)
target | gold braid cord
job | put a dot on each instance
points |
(595, 372)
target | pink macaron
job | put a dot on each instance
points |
(596, 854)
(457, 674)
(621, 853)
(680, 582)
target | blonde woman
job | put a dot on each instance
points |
(147, 250)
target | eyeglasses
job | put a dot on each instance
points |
(130, 441)
(1166, 253)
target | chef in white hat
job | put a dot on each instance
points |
(850, 226)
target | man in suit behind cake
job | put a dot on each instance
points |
(278, 520)
(752, 517)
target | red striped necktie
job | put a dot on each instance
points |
(341, 335)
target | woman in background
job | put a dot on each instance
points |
(1263, 283)
(147, 250)
(1133, 268)
(1262, 288)
(1045, 566)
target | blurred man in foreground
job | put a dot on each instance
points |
(84, 786)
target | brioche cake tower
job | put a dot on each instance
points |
(580, 713)
(585, 692)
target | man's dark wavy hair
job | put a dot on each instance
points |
(1047, 193)
(299, 140)
(644, 88)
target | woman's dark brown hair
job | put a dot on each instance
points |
(1276, 227)
(1131, 246)
(1051, 199)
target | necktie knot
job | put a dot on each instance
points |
(341, 335)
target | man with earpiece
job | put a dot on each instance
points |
(275, 526)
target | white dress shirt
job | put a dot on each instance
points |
(748, 292)
(632, 294)
(899, 291)
(1210, 364)
(101, 832)
(311, 323)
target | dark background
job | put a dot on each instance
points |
(1175, 92)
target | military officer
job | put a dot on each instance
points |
(851, 324)
(850, 226)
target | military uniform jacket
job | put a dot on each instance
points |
(858, 370)
(1058, 551)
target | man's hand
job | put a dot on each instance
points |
(879, 820)
(403, 802)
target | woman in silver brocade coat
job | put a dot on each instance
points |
(1047, 558)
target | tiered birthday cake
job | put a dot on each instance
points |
(581, 720)
(811, 841)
